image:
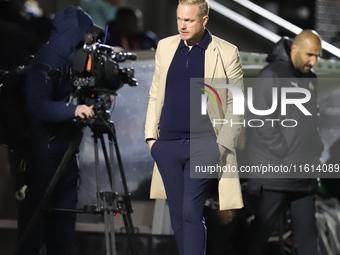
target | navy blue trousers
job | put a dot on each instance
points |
(55, 229)
(185, 195)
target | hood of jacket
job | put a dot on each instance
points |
(281, 51)
(69, 28)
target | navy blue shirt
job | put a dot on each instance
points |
(175, 118)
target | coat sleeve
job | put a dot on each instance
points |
(39, 92)
(269, 134)
(151, 123)
(228, 134)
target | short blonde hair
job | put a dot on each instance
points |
(203, 6)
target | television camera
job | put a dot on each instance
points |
(96, 73)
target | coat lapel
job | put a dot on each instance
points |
(210, 62)
(171, 50)
(166, 59)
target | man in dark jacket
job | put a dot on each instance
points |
(50, 110)
(277, 145)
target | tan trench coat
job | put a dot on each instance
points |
(221, 61)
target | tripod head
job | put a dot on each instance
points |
(98, 124)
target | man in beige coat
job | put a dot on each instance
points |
(194, 53)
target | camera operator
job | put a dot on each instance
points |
(50, 111)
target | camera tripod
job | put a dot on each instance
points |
(110, 204)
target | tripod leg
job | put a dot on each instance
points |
(109, 202)
(109, 233)
(113, 185)
(112, 232)
(127, 202)
(109, 163)
(107, 244)
(130, 234)
(97, 170)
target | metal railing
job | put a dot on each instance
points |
(261, 30)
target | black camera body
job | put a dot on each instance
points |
(96, 66)
(97, 74)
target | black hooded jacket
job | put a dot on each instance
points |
(274, 144)
(50, 114)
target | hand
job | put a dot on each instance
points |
(222, 150)
(226, 217)
(150, 143)
(83, 111)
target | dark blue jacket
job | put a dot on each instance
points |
(49, 112)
